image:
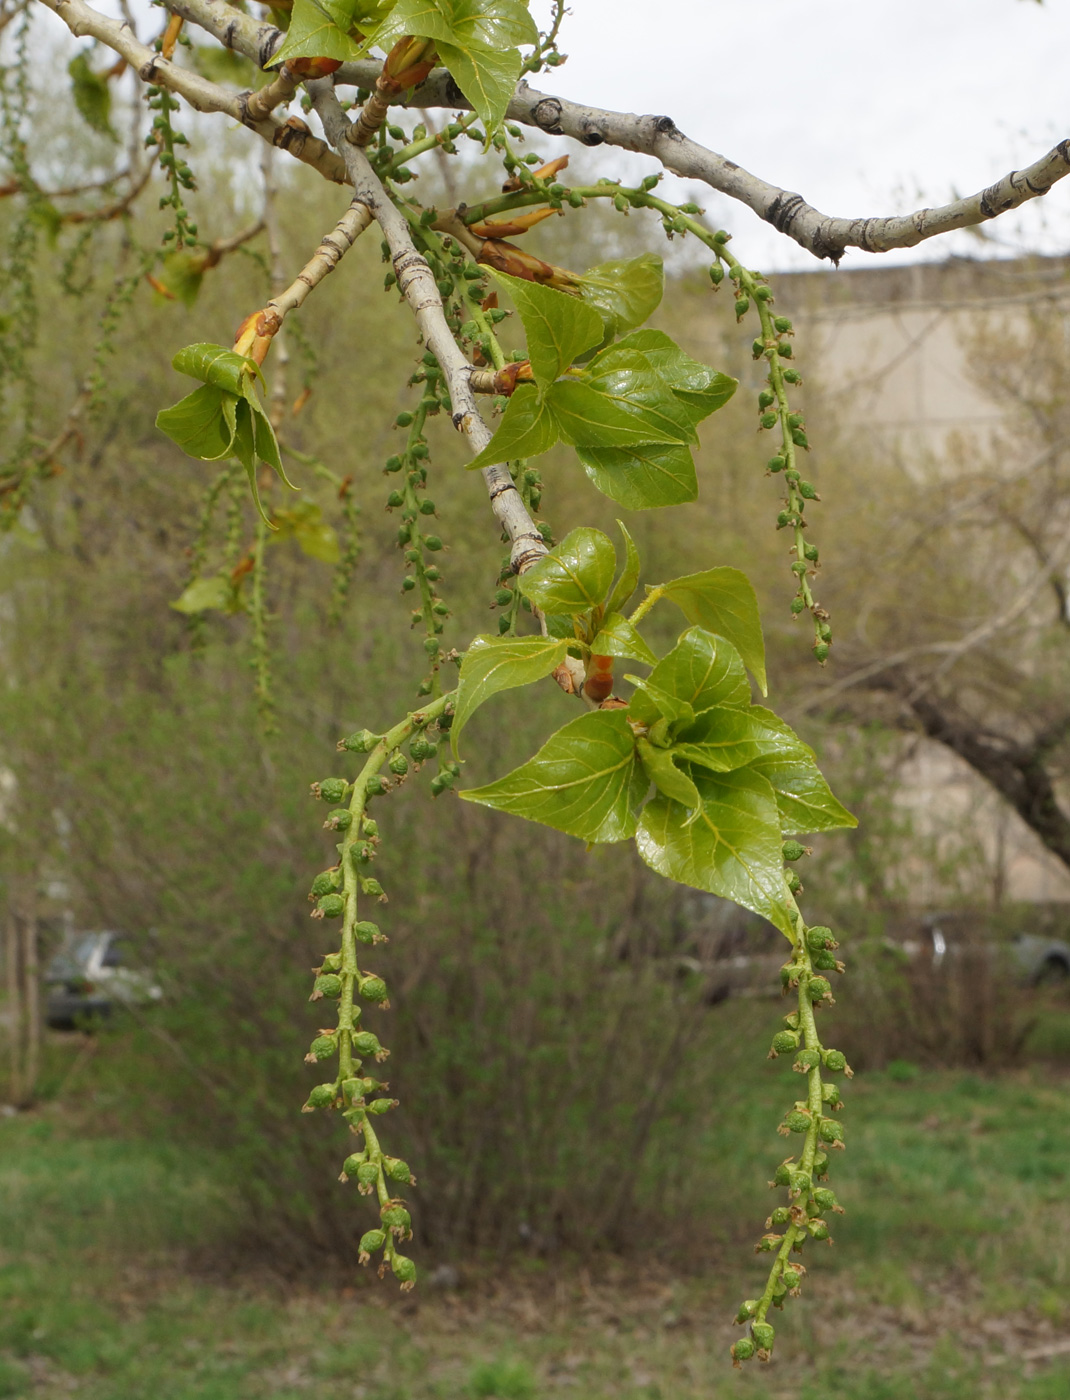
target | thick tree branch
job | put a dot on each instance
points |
(417, 284)
(1015, 770)
(660, 137)
(82, 20)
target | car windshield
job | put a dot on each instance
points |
(73, 958)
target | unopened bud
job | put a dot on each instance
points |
(830, 1130)
(763, 1334)
(363, 741)
(820, 989)
(784, 1042)
(322, 1048)
(326, 882)
(322, 1096)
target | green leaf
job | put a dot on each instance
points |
(265, 442)
(722, 600)
(651, 704)
(574, 576)
(500, 663)
(92, 95)
(804, 799)
(214, 364)
(619, 401)
(205, 593)
(303, 523)
(617, 637)
(318, 29)
(586, 780)
(202, 424)
(642, 477)
(476, 40)
(558, 327)
(724, 738)
(254, 441)
(628, 582)
(702, 670)
(665, 775)
(487, 77)
(703, 389)
(498, 24)
(527, 429)
(731, 847)
(624, 292)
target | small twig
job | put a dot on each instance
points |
(417, 284)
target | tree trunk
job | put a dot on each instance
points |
(14, 1005)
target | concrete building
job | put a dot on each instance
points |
(895, 341)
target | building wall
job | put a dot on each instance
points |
(895, 342)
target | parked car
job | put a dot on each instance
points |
(1034, 957)
(91, 976)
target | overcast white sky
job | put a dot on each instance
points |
(862, 106)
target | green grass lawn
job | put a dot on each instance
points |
(949, 1277)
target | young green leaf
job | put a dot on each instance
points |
(804, 798)
(492, 664)
(624, 292)
(528, 428)
(664, 774)
(585, 780)
(703, 389)
(202, 424)
(204, 594)
(702, 670)
(487, 77)
(722, 600)
(724, 738)
(254, 440)
(651, 704)
(574, 576)
(214, 364)
(319, 29)
(498, 24)
(617, 637)
(303, 522)
(628, 582)
(619, 400)
(731, 847)
(182, 274)
(92, 95)
(558, 327)
(642, 477)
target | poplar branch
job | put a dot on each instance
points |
(658, 136)
(205, 96)
(332, 249)
(417, 284)
(263, 102)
